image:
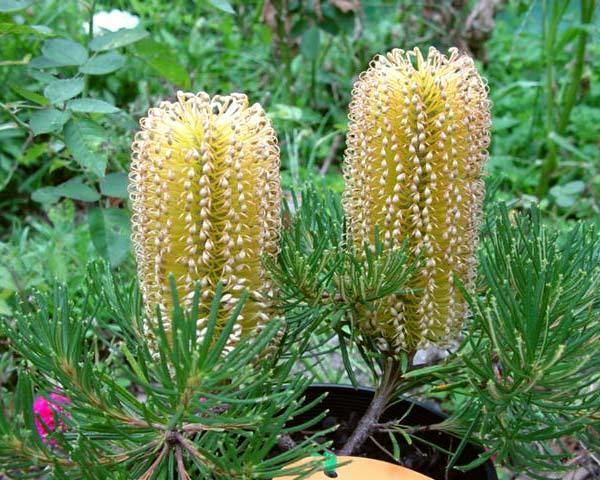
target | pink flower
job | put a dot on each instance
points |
(46, 411)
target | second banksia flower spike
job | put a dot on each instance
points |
(205, 191)
(417, 143)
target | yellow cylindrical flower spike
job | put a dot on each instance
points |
(205, 191)
(417, 141)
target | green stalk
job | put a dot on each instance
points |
(570, 95)
(549, 33)
(284, 45)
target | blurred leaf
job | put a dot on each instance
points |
(42, 77)
(15, 29)
(8, 6)
(73, 188)
(109, 229)
(102, 64)
(292, 113)
(61, 90)
(222, 5)
(29, 95)
(91, 105)
(43, 62)
(311, 40)
(114, 185)
(565, 144)
(77, 190)
(83, 138)
(162, 59)
(573, 188)
(118, 39)
(33, 153)
(566, 195)
(565, 201)
(504, 123)
(48, 120)
(64, 52)
(45, 195)
(337, 20)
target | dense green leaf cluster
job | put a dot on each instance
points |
(531, 358)
(324, 281)
(527, 370)
(526, 373)
(197, 409)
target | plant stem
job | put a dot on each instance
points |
(285, 51)
(91, 21)
(381, 399)
(549, 32)
(570, 94)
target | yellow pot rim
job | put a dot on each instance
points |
(361, 468)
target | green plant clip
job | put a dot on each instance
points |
(330, 462)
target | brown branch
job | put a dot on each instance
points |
(335, 145)
(183, 475)
(367, 424)
(152, 470)
(285, 442)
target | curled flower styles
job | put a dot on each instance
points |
(417, 142)
(205, 192)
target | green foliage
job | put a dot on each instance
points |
(196, 408)
(325, 283)
(535, 74)
(531, 358)
(39, 253)
(527, 371)
(67, 116)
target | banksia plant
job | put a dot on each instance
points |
(205, 192)
(416, 145)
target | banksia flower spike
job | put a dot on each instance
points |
(417, 140)
(205, 191)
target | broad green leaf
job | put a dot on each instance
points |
(60, 90)
(73, 188)
(77, 190)
(48, 120)
(222, 5)
(109, 229)
(29, 95)
(573, 188)
(311, 40)
(8, 6)
(45, 195)
(64, 52)
(103, 64)
(43, 62)
(33, 153)
(566, 201)
(118, 39)
(91, 105)
(84, 138)
(566, 195)
(7, 28)
(42, 77)
(114, 185)
(162, 59)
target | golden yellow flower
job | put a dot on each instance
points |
(417, 141)
(205, 192)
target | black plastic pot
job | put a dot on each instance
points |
(347, 404)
